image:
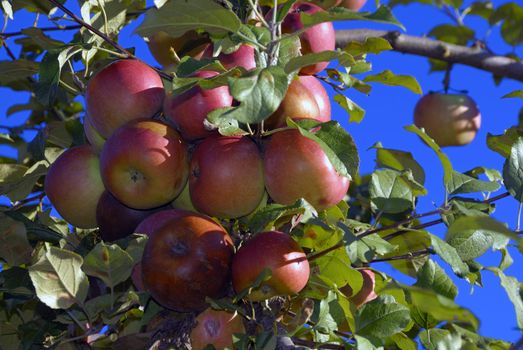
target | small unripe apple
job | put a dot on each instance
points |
(306, 98)
(74, 186)
(124, 90)
(189, 44)
(186, 260)
(354, 5)
(278, 252)
(216, 328)
(366, 293)
(242, 57)
(226, 177)
(318, 38)
(450, 119)
(148, 227)
(189, 110)
(92, 135)
(116, 220)
(296, 167)
(145, 164)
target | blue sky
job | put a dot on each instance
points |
(389, 109)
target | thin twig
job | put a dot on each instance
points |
(407, 256)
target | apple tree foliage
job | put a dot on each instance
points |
(60, 286)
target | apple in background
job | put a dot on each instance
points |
(326, 4)
(306, 98)
(186, 260)
(318, 38)
(116, 220)
(242, 57)
(189, 44)
(226, 177)
(147, 227)
(124, 90)
(216, 328)
(366, 292)
(296, 167)
(144, 164)
(92, 135)
(354, 5)
(74, 186)
(183, 201)
(189, 109)
(450, 119)
(278, 252)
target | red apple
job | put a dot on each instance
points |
(123, 91)
(306, 98)
(354, 5)
(186, 260)
(278, 252)
(147, 227)
(189, 44)
(366, 293)
(116, 220)
(318, 38)
(145, 164)
(450, 119)
(74, 186)
(92, 135)
(216, 328)
(226, 177)
(189, 109)
(242, 57)
(296, 167)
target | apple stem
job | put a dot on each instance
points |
(446, 79)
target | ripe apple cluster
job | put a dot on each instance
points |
(152, 166)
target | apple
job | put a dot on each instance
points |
(450, 119)
(147, 227)
(92, 135)
(366, 293)
(189, 44)
(296, 167)
(354, 5)
(326, 4)
(278, 252)
(306, 98)
(318, 38)
(74, 186)
(124, 90)
(242, 57)
(144, 164)
(186, 260)
(189, 109)
(226, 177)
(183, 201)
(116, 220)
(216, 328)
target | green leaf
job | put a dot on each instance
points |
(432, 276)
(260, 93)
(445, 162)
(404, 342)
(110, 263)
(299, 62)
(18, 181)
(513, 288)
(459, 35)
(337, 269)
(450, 255)
(179, 16)
(461, 183)
(511, 15)
(502, 144)
(515, 93)
(58, 278)
(14, 245)
(356, 113)
(370, 45)
(435, 338)
(399, 160)
(273, 215)
(382, 15)
(17, 74)
(393, 191)
(382, 318)
(513, 170)
(388, 78)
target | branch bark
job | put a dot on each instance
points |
(422, 46)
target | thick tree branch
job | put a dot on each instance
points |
(422, 46)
